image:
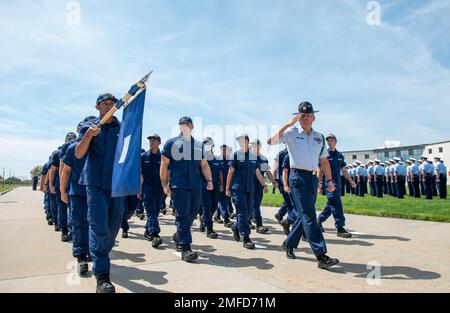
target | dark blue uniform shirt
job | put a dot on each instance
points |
(99, 163)
(245, 165)
(280, 157)
(286, 164)
(337, 162)
(55, 163)
(77, 166)
(264, 167)
(150, 165)
(224, 167)
(185, 157)
(215, 166)
(45, 169)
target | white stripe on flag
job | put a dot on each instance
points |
(126, 143)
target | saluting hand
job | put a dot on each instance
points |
(293, 120)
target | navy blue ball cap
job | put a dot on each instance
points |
(71, 135)
(106, 96)
(185, 120)
(80, 124)
(89, 118)
(304, 108)
(243, 136)
(208, 140)
(154, 136)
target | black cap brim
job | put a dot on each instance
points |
(298, 113)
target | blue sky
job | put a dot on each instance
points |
(234, 62)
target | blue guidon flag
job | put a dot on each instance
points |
(127, 162)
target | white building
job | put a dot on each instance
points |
(440, 149)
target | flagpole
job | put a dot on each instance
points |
(139, 86)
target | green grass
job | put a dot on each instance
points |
(6, 187)
(437, 210)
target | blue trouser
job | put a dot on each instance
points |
(163, 200)
(343, 180)
(379, 187)
(348, 186)
(53, 208)
(104, 216)
(416, 186)
(139, 207)
(334, 206)
(434, 186)
(443, 186)
(400, 186)
(410, 188)
(62, 212)
(80, 235)
(304, 195)
(394, 188)
(186, 203)
(224, 205)
(428, 188)
(257, 200)
(243, 201)
(210, 199)
(361, 187)
(293, 214)
(47, 210)
(287, 206)
(152, 203)
(69, 219)
(422, 187)
(373, 191)
(131, 203)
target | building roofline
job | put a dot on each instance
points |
(400, 148)
(368, 150)
(437, 143)
(422, 145)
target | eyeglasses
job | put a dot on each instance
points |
(107, 103)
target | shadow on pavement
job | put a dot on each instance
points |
(129, 278)
(386, 272)
(133, 257)
(231, 261)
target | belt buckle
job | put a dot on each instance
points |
(314, 173)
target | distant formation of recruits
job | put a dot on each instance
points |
(425, 179)
(226, 189)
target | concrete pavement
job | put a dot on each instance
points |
(413, 257)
